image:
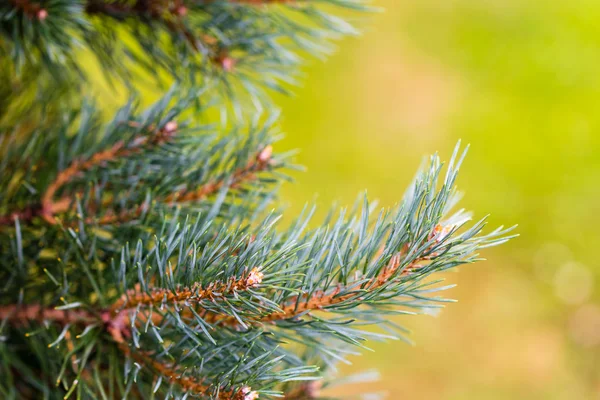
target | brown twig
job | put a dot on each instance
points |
(194, 294)
(117, 151)
(260, 163)
(20, 314)
(188, 384)
(48, 207)
(26, 214)
(322, 300)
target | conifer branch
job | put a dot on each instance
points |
(118, 151)
(97, 214)
(194, 294)
(187, 384)
(260, 163)
(48, 207)
(320, 300)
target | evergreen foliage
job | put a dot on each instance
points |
(142, 257)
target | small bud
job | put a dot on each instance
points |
(265, 154)
(170, 127)
(440, 232)
(42, 14)
(227, 63)
(251, 396)
(181, 10)
(248, 393)
(255, 277)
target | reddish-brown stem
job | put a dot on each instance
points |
(322, 300)
(194, 294)
(49, 207)
(20, 314)
(117, 151)
(188, 384)
(26, 214)
(261, 162)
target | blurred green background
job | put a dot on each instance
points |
(520, 81)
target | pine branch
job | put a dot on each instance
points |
(190, 295)
(48, 207)
(237, 294)
(118, 151)
(169, 13)
(154, 235)
(18, 315)
(320, 300)
(188, 384)
(260, 163)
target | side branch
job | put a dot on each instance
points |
(167, 12)
(49, 207)
(260, 163)
(322, 300)
(188, 384)
(194, 294)
(116, 152)
(248, 173)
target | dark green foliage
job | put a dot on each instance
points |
(236, 49)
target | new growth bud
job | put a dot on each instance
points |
(42, 14)
(249, 394)
(265, 155)
(255, 277)
(440, 232)
(227, 63)
(170, 127)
